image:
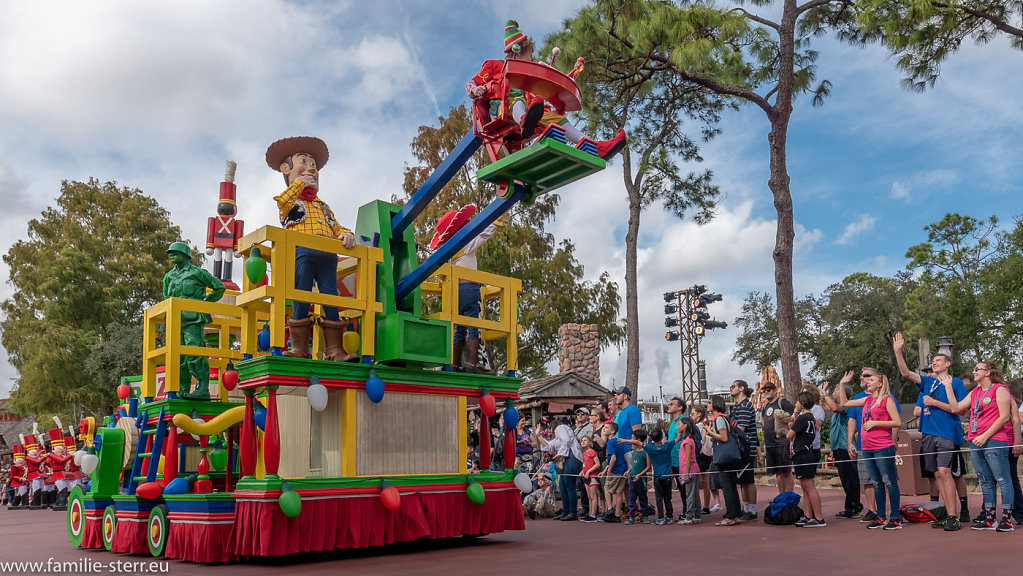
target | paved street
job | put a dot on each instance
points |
(546, 546)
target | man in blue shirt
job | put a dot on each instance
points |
(941, 429)
(628, 418)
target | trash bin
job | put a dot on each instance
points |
(908, 464)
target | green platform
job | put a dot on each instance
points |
(543, 167)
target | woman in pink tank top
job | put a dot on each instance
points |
(989, 407)
(880, 416)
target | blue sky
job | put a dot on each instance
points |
(158, 96)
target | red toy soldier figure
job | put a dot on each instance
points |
(33, 462)
(223, 231)
(72, 472)
(19, 478)
(58, 459)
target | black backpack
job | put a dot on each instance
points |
(740, 436)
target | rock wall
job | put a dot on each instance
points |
(579, 350)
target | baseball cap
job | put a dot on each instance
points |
(622, 390)
(768, 386)
(582, 410)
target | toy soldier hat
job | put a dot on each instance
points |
(56, 437)
(69, 442)
(450, 223)
(285, 147)
(19, 451)
(180, 247)
(31, 442)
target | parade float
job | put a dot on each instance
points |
(295, 455)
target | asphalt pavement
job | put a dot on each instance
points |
(551, 547)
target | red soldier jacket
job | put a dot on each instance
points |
(224, 232)
(18, 475)
(58, 465)
(33, 464)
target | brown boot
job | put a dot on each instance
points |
(333, 331)
(472, 352)
(456, 355)
(300, 330)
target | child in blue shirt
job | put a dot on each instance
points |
(659, 453)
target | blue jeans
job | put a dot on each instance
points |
(468, 305)
(992, 464)
(881, 466)
(321, 268)
(638, 500)
(566, 484)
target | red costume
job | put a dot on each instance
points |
(223, 231)
(57, 462)
(33, 461)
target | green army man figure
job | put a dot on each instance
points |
(185, 280)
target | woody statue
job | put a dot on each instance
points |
(186, 280)
(300, 159)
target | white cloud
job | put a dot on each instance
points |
(901, 191)
(854, 229)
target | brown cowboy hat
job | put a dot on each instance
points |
(285, 147)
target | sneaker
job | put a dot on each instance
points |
(876, 523)
(630, 521)
(643, 520)
(704, 511)
(952, 524)
(532, 514)
(668, 521)
(1004, 526)
(845, 514)
(893, 524)
(1019, 521)
(802, 521)
(748, 517)
(814, 523)
(869, 517)
(940, 524)
(613, 519)
(983, 523)
(569, 518)
(687, 522)
(559, 516)
(658, 522)
(588, 519)
(714, 508)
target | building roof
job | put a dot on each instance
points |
(10, 429)
(565, 385)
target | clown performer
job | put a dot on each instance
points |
(223, 230)
(33, 462)
(58, 459)
(19, 477)
(299, 159)
(186, 280)
(527, 109)
(466, 338)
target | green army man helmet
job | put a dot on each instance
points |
(182, 248)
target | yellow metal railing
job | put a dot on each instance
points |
(226, 318)
(492, 286)
(277, 247)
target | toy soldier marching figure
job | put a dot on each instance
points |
(187, 281)
(19, 478)
(223, 230)
(58, 459)
(34, 462)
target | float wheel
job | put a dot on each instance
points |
(108, 526)
(156, 530)
(76, 517)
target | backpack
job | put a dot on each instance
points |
(783, 510)
(926, 512)
(744, 449)
(698, 441)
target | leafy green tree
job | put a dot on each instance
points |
(762, 59)
(757, 342)
(553, 289)
(624, 85)
(925, 33)
(947, 301)
(1001, 301)
(95, 259)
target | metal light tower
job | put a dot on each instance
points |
(689, 314)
